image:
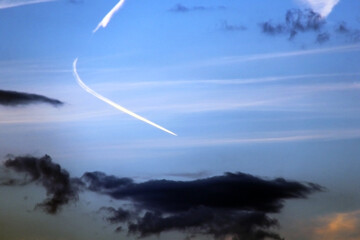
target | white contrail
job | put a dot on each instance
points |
(18, 3)
(104, 22)
(323, 7)
(115, 105)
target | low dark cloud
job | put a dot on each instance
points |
(232, 27)
(231, 206)
(296, 21)
(234, 204)
(116, 215)
(217, 223)
(179, 8)
(60, 188)
(98, 181)
(230, 191)
(12, 98)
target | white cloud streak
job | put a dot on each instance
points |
(267, 56)
(113, 104)
(115, 86)
(268, 138)
(323, 7)
(104, 22)
(17, 3)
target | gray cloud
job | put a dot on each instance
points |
(300, 21)
(296, 21)
(323, 37)
(217, 223)
(232, 205)
(342, 28)
(12, 98)
(60, 188)
(179, 8)
(351, 34)
(232, 27)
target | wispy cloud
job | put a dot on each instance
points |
(258, 138)
(267, 56)
(179, 8)
(237, 81)
(18, 3)
(232, 27)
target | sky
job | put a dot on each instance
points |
(263, 97)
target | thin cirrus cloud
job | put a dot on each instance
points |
(256, 138)
(233, 204)
(17, 3)
(268, 56)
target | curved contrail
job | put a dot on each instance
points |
(104, 22)
(115, 105)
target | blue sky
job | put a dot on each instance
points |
(240, 99)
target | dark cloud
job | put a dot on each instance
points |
(60, 189)
(351, 34)
(98, 181)
(233, 205)
(209, 221)
(179, 8)
(231, 27)
(116, 215)
(12, 98)
(230, 191)
(300, 21)
(342, 28)
(322, 37)
(296, 21)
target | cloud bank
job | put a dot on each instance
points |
(231, 206)
(234, 204)
(12, 98)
